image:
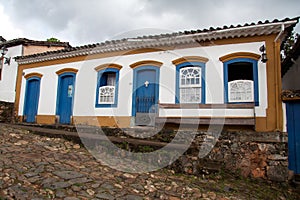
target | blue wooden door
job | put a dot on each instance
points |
(145, 93)
(31, 99)
(293, 126)
(145, 96)
(65, 100)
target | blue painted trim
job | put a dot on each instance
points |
(203, 77)
(73, 74)
(99, 75)
(157, 75)
(292, 140)
(26, 92)
(255, 78)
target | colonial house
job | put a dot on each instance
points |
(229, 75)
(9, 68)
(291, 98)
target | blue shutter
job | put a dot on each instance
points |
(103, 80)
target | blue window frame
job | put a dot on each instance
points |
(249, 74)
(107, 88)
(190, 83)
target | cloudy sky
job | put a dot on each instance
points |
(91, 21)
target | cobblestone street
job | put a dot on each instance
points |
(39, 167)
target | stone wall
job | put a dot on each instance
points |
(6, 112)
(250, 154)
(244, 153)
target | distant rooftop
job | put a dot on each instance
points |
(2, 39)
(25, 41)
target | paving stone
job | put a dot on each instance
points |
(30, 174)
(57, 185)
(133, 197)
(108, 186)
(137, 186)
(105, 196)
(34, 179)
(71, 198)
(60, 194)
(80, 180)
(68, 174)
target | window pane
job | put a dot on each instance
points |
(111, 79)
(240, 71)
(191, 75)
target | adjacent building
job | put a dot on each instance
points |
(19, 47)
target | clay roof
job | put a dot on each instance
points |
(290, 95)
(170, 39)
(25, 41)
(293, 55)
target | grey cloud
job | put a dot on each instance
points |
(93, 21)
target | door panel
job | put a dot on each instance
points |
(65, 101)
(293, 126)
(32, 100)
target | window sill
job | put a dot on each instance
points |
(208, 106)
(106, 105)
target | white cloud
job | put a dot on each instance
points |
(8, 29)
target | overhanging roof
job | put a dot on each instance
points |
(173, 39)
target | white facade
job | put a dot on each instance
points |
(9, 75)
(86, 83)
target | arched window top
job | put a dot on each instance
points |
(189, 59)
(108, 65)
(238, 55)
(190, 76)
(34, 74)
(146, 63)
(66, 70)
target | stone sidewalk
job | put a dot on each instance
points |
(38, 167)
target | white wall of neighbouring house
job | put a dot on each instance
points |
(9, 75)
(291, 80)
(86, 81)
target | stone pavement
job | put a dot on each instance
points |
(38, 167)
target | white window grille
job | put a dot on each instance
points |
(107, 95)
(190, 85)
(240, 91)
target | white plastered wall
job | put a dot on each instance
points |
(9, 75)
(85, 89)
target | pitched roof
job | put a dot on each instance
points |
(25, 41)
(293, 55)
(152, 41)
